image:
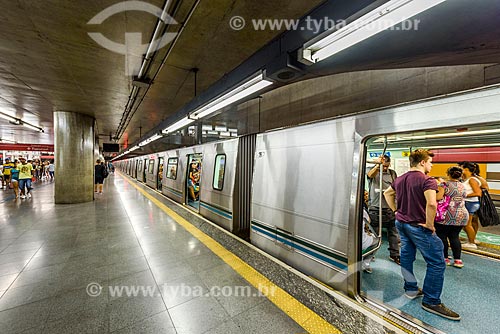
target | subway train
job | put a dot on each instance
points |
(297, 192)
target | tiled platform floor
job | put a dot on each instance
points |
(49, 254)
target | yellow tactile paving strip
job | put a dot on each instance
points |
(297, 311)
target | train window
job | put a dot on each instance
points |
(172, 168)
(151, 166)
(220, 166)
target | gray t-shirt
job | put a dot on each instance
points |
(374, 187)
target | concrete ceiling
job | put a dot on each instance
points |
(49, 63)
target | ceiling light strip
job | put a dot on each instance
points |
(382, 18)
(249, 87)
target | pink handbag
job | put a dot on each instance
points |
(442, 207)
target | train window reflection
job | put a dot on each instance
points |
(151, 166)
(220, 165)
(172, 168)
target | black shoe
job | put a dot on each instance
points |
(396, 259)
(442, 311)
(414, 294)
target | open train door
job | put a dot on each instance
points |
(193, 181)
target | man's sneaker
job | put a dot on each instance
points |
(477, 242)
(414, 294)
(396, 259)
(469, 246)
(23, 197)
(458, 264)
(441, 310)
(29, 195)
(448, 262)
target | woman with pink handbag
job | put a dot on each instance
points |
(452, 215)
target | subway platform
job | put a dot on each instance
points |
(131, 261)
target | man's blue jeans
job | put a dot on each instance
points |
(431, 248)
(23, 183)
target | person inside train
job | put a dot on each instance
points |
(388, 218)
(455, 216)
(484, 185)
(193, 185)
(473, 188)
(369, 237)
(415, 195)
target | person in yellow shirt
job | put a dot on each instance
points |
(25, 175)
(7, 166)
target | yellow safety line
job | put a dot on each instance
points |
(301, 314)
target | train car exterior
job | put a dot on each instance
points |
(219, 164)
(308, 181)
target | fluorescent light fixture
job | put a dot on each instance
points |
(453, 134)
(212, 133)
(207, 127)
(220, 128)
(178, 125)
(33, 127)
(134, 148)
(383, 17)
(249, 87)
(150, 139)
(8, 117)
(225, 134)
(232, 130)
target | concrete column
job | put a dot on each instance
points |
(74, 157)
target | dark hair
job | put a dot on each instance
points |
(454, 172)
(476, 170)
(419, 155)
(387, 158)
(472, 167)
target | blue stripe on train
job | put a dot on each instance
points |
(303, 249)
(222, 213)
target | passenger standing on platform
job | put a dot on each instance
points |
(388, 218)
(455, 218)
(473, 188)
(14, 173)
(51, 170)
(415, 212)
(7, 166)
(98, 176)
(25, 175)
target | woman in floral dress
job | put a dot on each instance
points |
(455, 218)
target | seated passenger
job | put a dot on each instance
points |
(193, 185)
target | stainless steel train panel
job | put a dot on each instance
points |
(217, 205)
(151, 171)
(301, 189)
(173, 186)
